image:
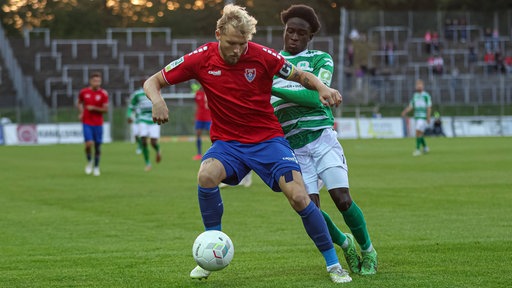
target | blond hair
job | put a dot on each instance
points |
(238, 18)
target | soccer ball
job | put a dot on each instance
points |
(213, 250)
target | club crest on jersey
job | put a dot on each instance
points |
(250, 74)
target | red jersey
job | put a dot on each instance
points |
(238, 95)
(202, 112)
(96, 98)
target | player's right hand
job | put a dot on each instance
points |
(160, 112)
(330, 97)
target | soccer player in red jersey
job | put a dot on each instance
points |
(203, 118)
(92, 103)
(237, 76)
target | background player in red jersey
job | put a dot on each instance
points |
(92, 103)
(237, 76)
(203, 117)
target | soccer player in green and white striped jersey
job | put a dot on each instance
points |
(308, 126)
(142, 107)
(421, 103)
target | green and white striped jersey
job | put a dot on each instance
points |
(303, 124)
(142, 106)
(420, 102)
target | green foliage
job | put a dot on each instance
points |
(90, 18)
(439, 220)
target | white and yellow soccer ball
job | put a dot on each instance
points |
(213, 250)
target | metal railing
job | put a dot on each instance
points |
(148, 31)
(26, 93)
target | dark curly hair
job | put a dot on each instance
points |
(303, 12)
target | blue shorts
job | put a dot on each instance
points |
(203, 125)
(270, 160)
(93, 133)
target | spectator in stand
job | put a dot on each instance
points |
(455, 30)
(448, 29)
(350, 54)
(488, 39)
(499, 63)
(436, 44)
(428, 42)
(463, 30)
(390, 53)
(508, 64)
(354, 35)
(359, 78)
(495, 39)
(489, 61)
(436, 64)
(473, 57)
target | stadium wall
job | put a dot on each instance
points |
(40, 134)
(347, 128)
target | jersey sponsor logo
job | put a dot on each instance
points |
(215, 73)
(303, 65)
(250, 74)
(173, 64)
(325, 76)
(292, 159)
(97, 97)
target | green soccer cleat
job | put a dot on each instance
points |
(353, 259)
(339, 275)
(369, 264)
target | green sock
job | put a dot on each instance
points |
(337, 236)
(139, 143)
(422, 141)
(145, 153)
(355, 221)
(418, 143)
(157, 147)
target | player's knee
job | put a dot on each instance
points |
(341, 197)
(298, 199)
(207, 180)
(97, 148)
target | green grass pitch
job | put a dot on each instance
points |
(438, 220)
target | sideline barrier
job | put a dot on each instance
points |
(473, 126)
(40, 134)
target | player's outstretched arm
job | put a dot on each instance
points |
(152, 88)
(327, 95)
(406, 110)
(308, 98)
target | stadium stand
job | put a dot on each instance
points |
(126, 55)
(7, 91)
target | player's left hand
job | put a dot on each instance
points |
(330, 97)
(160, 112)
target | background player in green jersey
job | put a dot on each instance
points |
(132, 118)
(308, 127)
(421, 103)
(142, 107)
